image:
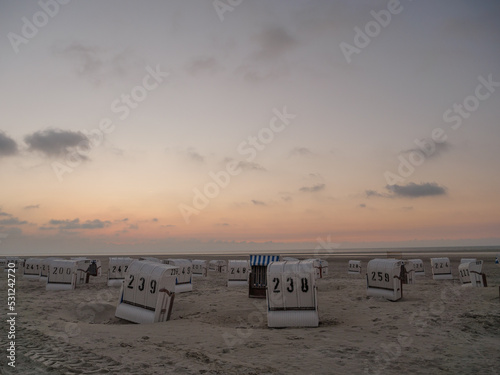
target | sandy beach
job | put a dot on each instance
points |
(438, 327)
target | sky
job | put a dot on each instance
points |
(238, 125)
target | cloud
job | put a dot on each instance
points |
(95, 224)
(95, 63)
(250, 166)
(362, 205)
(301, 151)
(274, 42)
(312, 189)
(255, 74)
(8, 147)
(221, 224)
(245, 165)
(57, 142)
(373, 193)
(195, 156)
(258, 203)
(64, 222)
(413, 190)
(203, 65)
(31, 206)
(192, 155)
(13, 221)
(76, 224)
(266, 63)
(429, 148)
(87, 59)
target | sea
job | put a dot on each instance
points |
(480, 252)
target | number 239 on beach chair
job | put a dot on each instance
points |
(147, 295)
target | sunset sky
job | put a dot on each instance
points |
(151, 126)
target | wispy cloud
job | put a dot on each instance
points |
(31, 206)
(301, 151)
(374, 193)
(274, 42)
(267, 62)
(312, 189)
(76, 224)
(194, 156)
(203, 65)
(257, 73)
(10, 219)
(250, 166)
(95, 63)
(429, 148)
(258, 203)
(13, 221)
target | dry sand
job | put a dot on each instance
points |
(438, 327)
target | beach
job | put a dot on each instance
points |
(438, 327)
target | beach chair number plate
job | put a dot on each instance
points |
(244, 270)
(440, 265)
(380, 276)
(119, 269)
(60, 271)
(141, 285)
(304, 285)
